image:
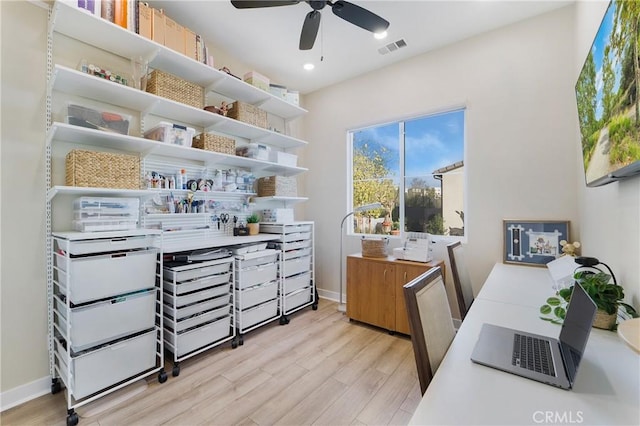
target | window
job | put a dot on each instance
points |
(415, 169)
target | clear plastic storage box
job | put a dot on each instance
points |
(174, 134)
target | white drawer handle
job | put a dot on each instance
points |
(118, 347)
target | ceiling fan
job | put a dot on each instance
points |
(345, 10)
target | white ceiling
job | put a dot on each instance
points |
(266, 39)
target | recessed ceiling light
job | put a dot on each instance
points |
(381, 35)
(309, 66)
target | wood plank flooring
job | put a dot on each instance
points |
(320, 369)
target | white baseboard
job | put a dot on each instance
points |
(27, 392)
(330, 295)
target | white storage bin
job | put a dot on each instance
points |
(174, 134)
(257, 258)
(296, 299)
(256, 275)
(103, 276)
(283, 158)
(104, 225)
(291, 254)
(189, 341)
(197, 284)
(197, 296)
(256, 315)
(293, 245)
(99, 245)
(296, 266)
(99, 369)
(296, 282)
(256, 295)
(197, 270)
(101, 322)
(196, 308)
(196, 320)
(276, 228)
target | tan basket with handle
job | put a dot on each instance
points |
(215, 143)
(604, 320)
(374, 247)
(171, 87)
(95, 169)
(248, 113)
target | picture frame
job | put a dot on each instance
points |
(533, 242)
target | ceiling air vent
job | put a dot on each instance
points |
(392, 46)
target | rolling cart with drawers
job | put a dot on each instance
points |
(105, 328)
(296, 266)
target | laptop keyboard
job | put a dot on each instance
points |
(532, 354)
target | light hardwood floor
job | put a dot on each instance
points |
(318, 369)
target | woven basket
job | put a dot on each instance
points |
(604, 320)
(171, 87)
(374, 247)
(102, 170)
(248, 113)
(215, 143)
(281, 186)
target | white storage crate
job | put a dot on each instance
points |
(258, 258)
(196, 319)
(292, 254)
(103, 225)
(93, 371)
(195, 308)
(256, 295)
(103, 276)
(296, 299)
(283, 158)
(101, 322)
(174, 134)
(97, 245)
(296, 266)
(296, 282)
(197, 270)
(191, 340)
(195, 297)
(256, 275)
(256, 315)
(196, 284)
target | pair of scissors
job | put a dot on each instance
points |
(224, 218)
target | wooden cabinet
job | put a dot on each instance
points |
(374, 290)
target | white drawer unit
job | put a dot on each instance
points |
(105, 329)
(296, 269)
(256, 284)
(198, 307)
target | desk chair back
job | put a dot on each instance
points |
(430, 322)
(461, 280)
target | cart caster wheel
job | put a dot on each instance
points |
(162, 377)
(234, 344)
(72, 419)
(284, 320)
(176, 371)
(391, 332)
(241, 340)
(56, 386)
(314, 306)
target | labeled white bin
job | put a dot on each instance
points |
(256, 275)
(296, 282)
(256, 315)
(256, 295)
(104, 276)
(189, 341)
(96, 370)
(101, 322)
(296, 266)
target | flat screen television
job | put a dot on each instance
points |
(607, 95)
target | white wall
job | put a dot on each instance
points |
(609, 215)
(517, 84)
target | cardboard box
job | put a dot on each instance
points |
(145, 20)
(158, 26)
(278, 91)
(174, 35)
(190, 48)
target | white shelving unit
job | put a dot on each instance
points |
(177, 232)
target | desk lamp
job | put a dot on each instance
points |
(364, 208)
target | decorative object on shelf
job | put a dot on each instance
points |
(222, 109)
(570, 249)
(533, 242)
(373, 206)
(95, 169)
(104, 73)
(228, 71)
(169, 86)
(215, 143)
(277, 186)
(248, 113)
(607, 296)
(253, 223)
(374, 247)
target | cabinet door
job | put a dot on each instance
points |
(371, 293)
(404, 274)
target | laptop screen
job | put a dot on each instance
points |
(576, 328)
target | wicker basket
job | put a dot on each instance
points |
(280, 186)
(604, 320)
(171, 87)
(248, 113)
(102, 170)
(215, 143)
(374, 247)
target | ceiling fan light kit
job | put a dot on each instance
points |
(350, 12)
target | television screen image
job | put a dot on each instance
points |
(607, 94)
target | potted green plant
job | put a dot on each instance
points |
(253, 223)
(395, 228)
(606, 295)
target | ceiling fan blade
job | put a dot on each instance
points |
(359, 16)
(310, 30)
(247, 4)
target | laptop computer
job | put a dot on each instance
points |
(545, 359)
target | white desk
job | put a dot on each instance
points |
(606, 392)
